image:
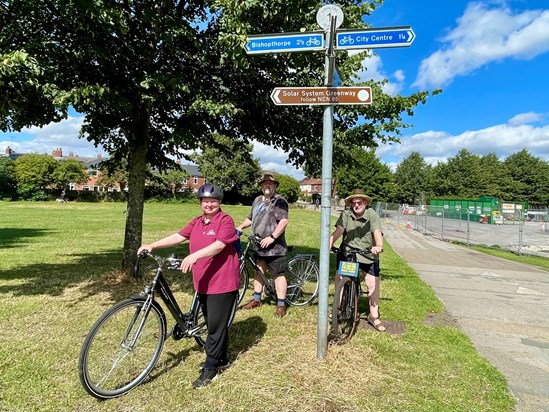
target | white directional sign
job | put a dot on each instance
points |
(285, 42)
(374, 38)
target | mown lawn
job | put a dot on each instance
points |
(59, 272)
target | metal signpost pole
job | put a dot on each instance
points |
(335, 15)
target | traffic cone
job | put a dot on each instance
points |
(409, 224)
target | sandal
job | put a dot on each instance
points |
(376, 323)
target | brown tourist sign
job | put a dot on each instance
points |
(282, 96)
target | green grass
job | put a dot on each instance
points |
(59, 272)
(539, 261)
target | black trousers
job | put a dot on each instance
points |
(218, 310)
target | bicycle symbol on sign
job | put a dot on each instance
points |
(313, 41)
(346, 40)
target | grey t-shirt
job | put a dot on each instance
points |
(265, 215)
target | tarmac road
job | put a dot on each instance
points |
(502, 306)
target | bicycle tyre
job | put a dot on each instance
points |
(344, 311)
(199, 323)
(244, 281)
(302, 278)
(106, 368)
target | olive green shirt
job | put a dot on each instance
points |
(358, 233)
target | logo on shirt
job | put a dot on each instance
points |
(210, 232)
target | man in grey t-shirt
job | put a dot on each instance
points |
(268, 219)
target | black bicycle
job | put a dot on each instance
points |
(345, 317)
(301, 276)
(123, 346)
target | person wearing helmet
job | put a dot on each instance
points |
(213, 261)
(268, 219)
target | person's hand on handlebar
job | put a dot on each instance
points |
(376, 250)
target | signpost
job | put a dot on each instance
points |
(329, 17)
(285, 42)
(321, 95)
(374, 38)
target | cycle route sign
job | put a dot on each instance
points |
(285, 42)
(374, 38)
(295, 96)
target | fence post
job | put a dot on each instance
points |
(468, 227)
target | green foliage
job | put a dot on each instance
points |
(365, 171)
(288, 188)
(35, 169)
(412, 179)
(8, 182)
(529, 178)
(31, 192)
(69, 171)
(229, 164)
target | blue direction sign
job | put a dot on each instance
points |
(374, 38)
(285, 42)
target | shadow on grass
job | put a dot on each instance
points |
(243, 335)
(91, 273)
(13, 237)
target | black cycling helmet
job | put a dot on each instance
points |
(210, 191)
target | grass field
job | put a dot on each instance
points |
(59, 272)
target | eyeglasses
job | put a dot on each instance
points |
(357, 203)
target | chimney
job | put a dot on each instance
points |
(9, 151)
(57, 152)
(99, 157)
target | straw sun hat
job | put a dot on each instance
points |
(358, 193)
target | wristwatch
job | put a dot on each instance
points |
(274, 238)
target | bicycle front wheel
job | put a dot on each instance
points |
(344, 311)
(302, 277)
(122, 348)
(244, 281)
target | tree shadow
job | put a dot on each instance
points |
(92, 274)
(13, 237)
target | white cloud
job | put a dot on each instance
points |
(503, 140)
(484, 35)
(373, 70)
(275, 159)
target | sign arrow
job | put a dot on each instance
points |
(374, 38)
(305, 96)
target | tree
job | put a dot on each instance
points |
(69, 171)
(288, 188)
(412, 179)
(8, 182)
(461, 176)
(529, 178)
(365, 171)
(35, 170)
(155, 78)
(229, 164)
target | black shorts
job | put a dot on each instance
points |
(277, 265)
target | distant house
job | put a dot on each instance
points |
(311, 186)
(195, 178)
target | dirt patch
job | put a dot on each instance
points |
(440, 319)
(392, 327)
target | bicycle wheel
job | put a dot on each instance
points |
(344, 311)
(244, 281)
(302, 277)
(122, 348)
(199, 324)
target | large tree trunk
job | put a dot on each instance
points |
(137, 166)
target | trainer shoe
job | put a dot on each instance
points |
(221, 366)
(252, 304)
(206, 377)
(280, 311)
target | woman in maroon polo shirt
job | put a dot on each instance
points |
(213, 260)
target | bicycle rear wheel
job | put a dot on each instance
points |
(244, 281)
(302, 277)
(122, 348)
(344, 311)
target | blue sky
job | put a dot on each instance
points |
(490, 57)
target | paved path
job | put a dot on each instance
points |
(502, 306)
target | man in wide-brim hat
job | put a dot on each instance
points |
(360, 227)
(268, 177)
(358, 194)
(268, 219)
